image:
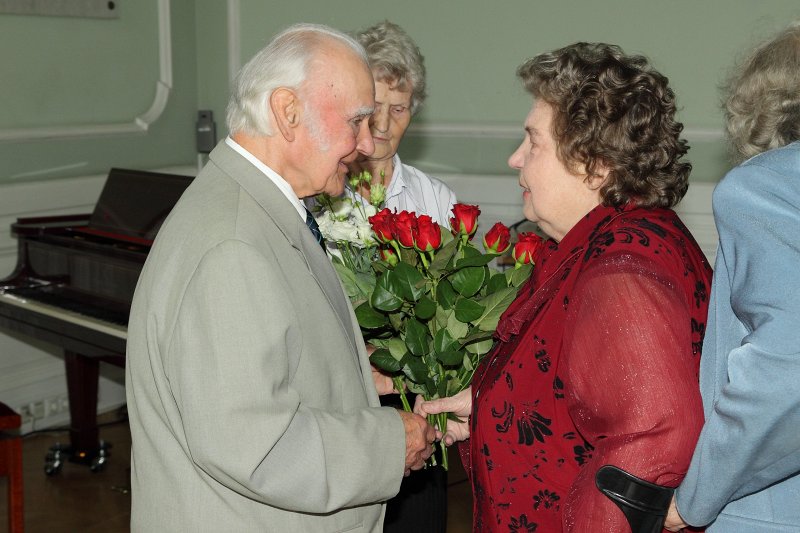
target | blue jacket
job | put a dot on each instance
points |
(745, 472)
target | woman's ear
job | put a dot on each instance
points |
(599, 177)
(285, 107)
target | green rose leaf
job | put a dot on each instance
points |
(383, 360)
(454, 386)
(445, 295)
(425, 308)
(408, 281)
(468, 310)
(348, 278)
(480, 348)
(397, 320)
(455, 327)
(468, 281)
(517, 276)
(385, 296)
(475, 336)
(409, 256)
(478, 260)
(450, 358)
(397, 348)
(369, 318)
(441, 389)
(443, 341)
(496, 282)
(415, 369)
(416, 388)
(494, 306)
(443, 254)
(417, 338)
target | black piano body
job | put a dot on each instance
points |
(74, 282)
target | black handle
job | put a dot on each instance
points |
(644, 504)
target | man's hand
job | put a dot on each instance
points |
(383, 383)
(674, 522)
(460, 405)
(419, 440)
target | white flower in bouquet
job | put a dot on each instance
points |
(341, 208)
(343, 231)
(325, 222)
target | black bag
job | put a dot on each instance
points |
(644, 504)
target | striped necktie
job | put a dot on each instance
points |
(314, 227)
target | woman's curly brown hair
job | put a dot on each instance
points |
(615, 112)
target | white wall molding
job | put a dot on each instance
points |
(137, 125)
(500, 200)
(234, 38)
(505, 131)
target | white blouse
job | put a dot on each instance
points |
(413, 190)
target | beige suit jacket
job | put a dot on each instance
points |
(249, 391)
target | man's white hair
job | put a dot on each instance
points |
(282, 63)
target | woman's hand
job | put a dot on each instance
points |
(460, 405)
(674, 522)
(383, 382)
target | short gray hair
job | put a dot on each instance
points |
(395, 58)
(282, 63)
(763, 103)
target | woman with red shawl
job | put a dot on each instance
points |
(596, 360)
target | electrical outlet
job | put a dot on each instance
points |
(38, 409)
(64, 401)
(25, 413)
(53, 406)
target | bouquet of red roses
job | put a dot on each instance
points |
(436, 301)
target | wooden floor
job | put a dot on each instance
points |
(79, 501)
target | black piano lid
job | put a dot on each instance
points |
(134, 204)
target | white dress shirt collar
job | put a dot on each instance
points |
(279, 182)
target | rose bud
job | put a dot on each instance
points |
(388, 255)
(383, 225)
(528, 245)
(404, 227)
(428, 236)
(498, 239)
(465, 219)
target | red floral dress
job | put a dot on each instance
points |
(596, 363)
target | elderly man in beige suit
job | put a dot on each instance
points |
(251, 401)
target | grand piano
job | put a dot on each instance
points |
(73, 286)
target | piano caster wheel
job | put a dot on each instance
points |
(99, 462)
(54, 460)
(96, 459)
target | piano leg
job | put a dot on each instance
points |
(85, 446)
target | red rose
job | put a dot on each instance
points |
(388, 255)
(465, 219)
(498, 239)
(383, 225)
(527, 247)
(404, 227)
(428, 236)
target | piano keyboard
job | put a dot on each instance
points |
(32, 305)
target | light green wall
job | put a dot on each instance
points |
(472, 48)
(70, 72)
(81, 71)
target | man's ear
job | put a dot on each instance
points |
(285, 107)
